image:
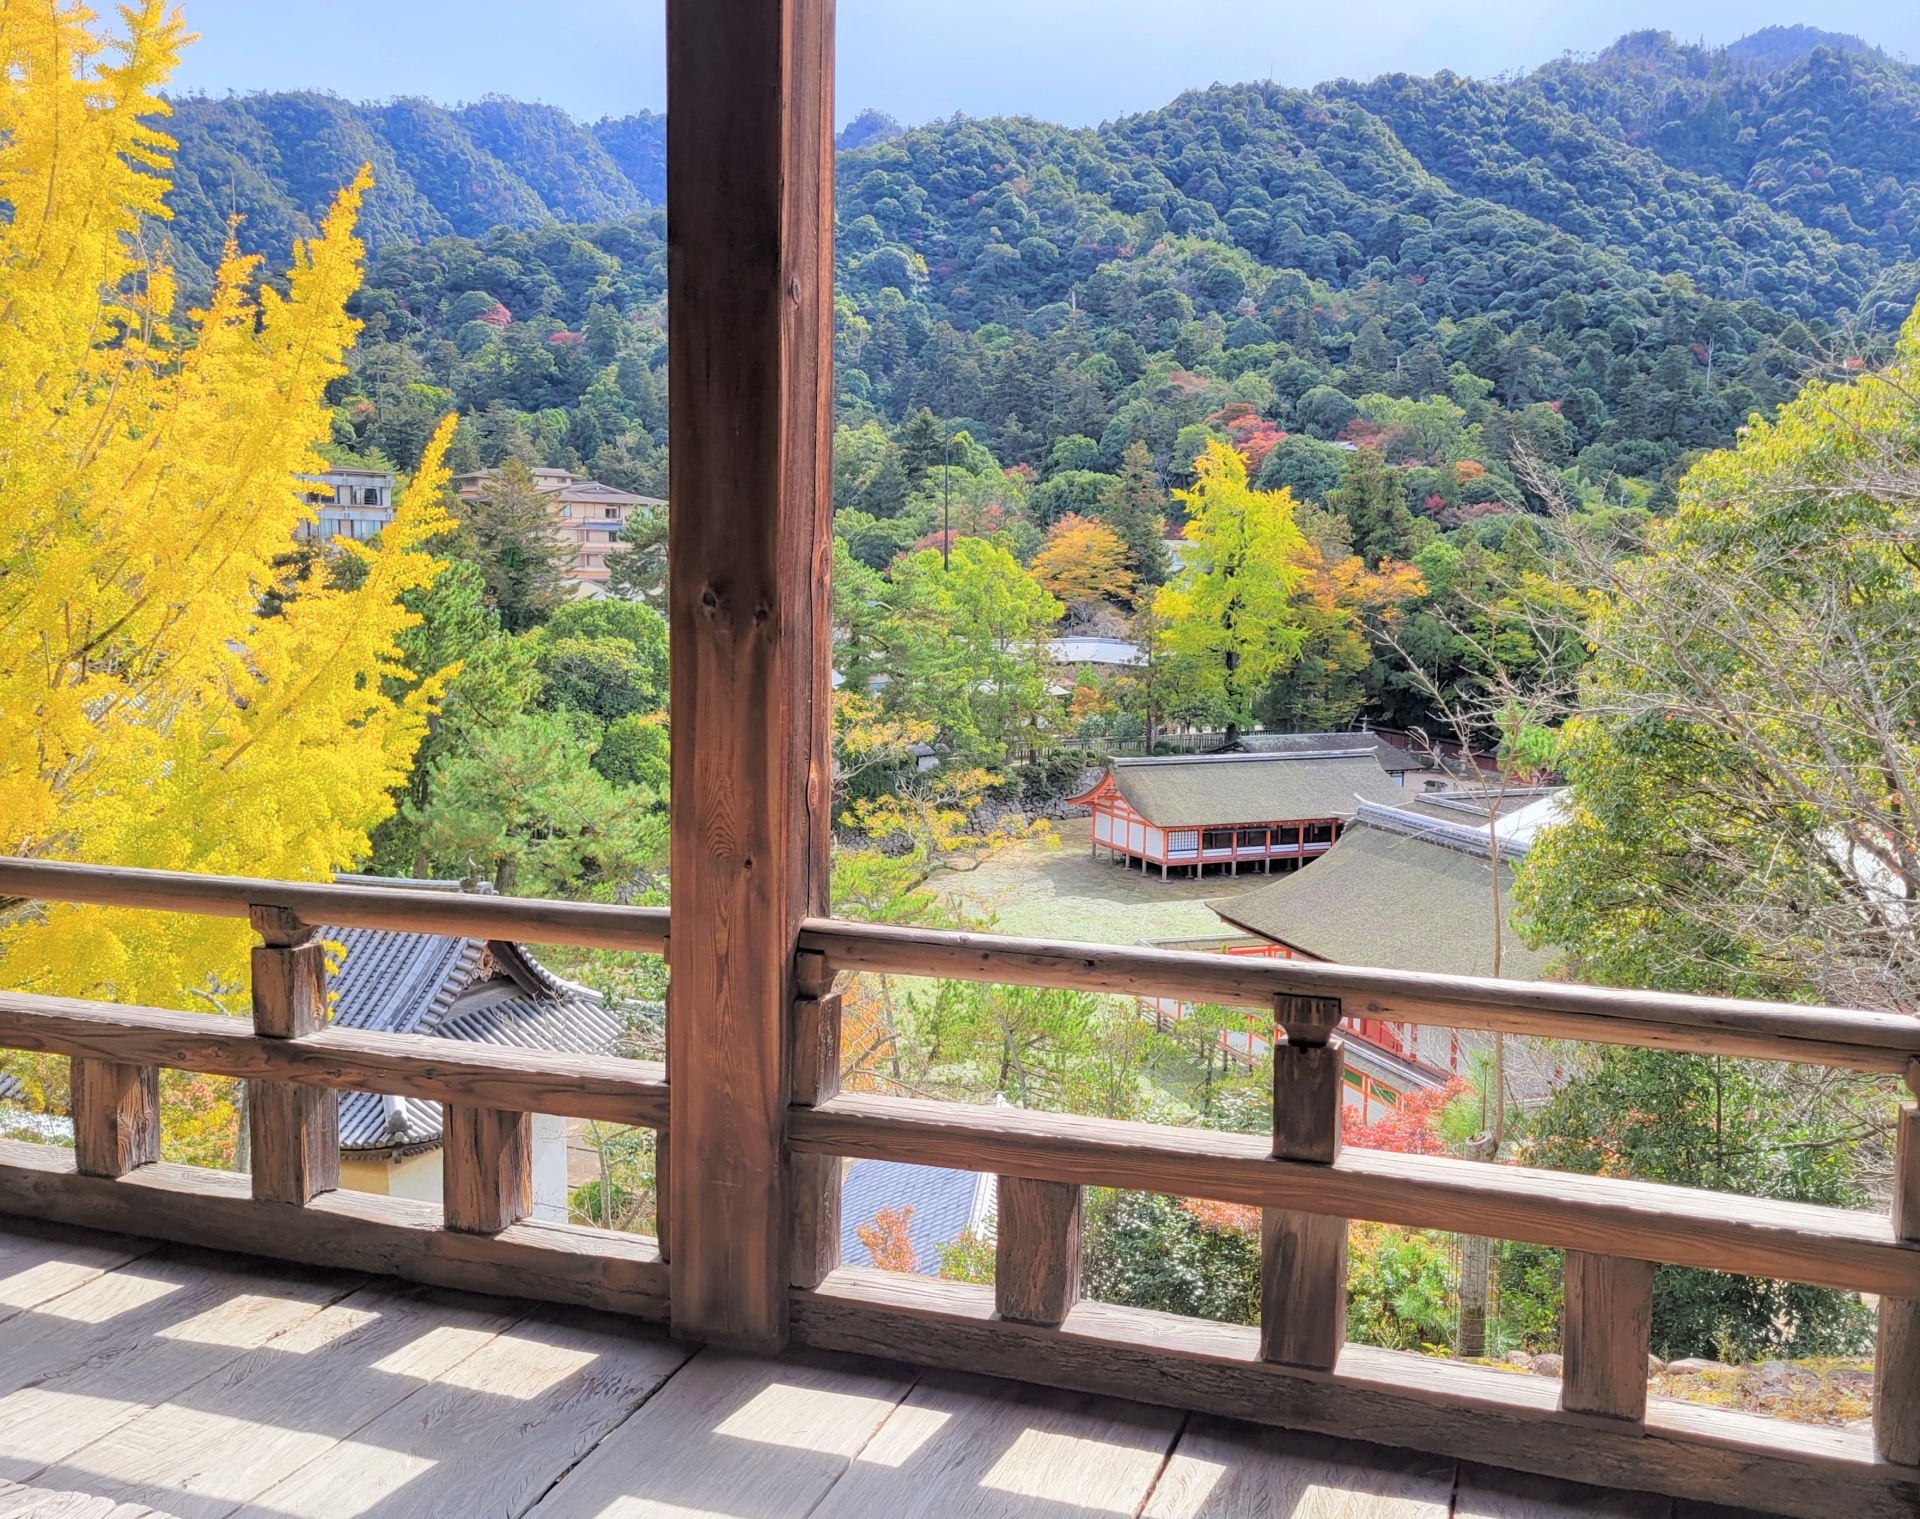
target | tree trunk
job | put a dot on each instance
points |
(1476, 1263)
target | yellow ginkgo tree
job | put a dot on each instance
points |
(170, 696)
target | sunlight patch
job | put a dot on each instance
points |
(376, 1474)
(237, 1323)
(805, 1418)
(107, 1298)
(38, 1425)
(1033, 1465)
(434, 1352)
(909, 1427)
(518, 1369)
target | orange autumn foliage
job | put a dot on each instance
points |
(1084, 560)
(886, 1239)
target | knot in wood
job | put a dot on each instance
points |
(710, 599)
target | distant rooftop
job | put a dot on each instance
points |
(1393, 759)
(1400, 890)
(1195, 791)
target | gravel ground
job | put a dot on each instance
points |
(1065, 893)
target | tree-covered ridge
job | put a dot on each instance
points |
(1822, 128)
(277, 158)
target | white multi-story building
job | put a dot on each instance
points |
(588, 516)
(351, 503)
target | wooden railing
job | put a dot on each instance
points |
(1294, 1370)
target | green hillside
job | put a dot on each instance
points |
(1609, 264)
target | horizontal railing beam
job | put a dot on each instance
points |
(1801, 1242)
(1839, 1037)
(605, 1087)
(589, 925)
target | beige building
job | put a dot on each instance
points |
(589, 518)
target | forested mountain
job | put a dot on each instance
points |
(276, 159)
(1612, 261)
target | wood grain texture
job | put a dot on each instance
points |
(1896, 1365)
(1906, 1173)
(486, 1161)
(967, 1445)
(1829, 1247)
(1488, 1493)
(157, 1353)
(289, 990)
(1896, 1382)
(1395, 1398)
(18, 1501)
(116, 1116)
(1303, 1288)
(1561, 1010)
(813, 1193)
(357, 1231)
(39, 1262)
(587, 924)
(295, 1134)
(813, 1181)
(1606, 1328)
(1036, 1256)
(1222, 1470)
(261, 1418)
(733, 1435)
(490, 1435)
(1308, 1091)
(816, 1049)
(631, 1092)
(749, 277)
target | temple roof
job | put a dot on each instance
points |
(1230, 789)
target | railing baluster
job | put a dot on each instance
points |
(1896, 1360)
(1303, 1256)
(294, 1130)
(1605, 1330)
(814, 1065)
(486, 1159)
(1036, 1257)
(116, 1116)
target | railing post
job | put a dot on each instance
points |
(813, 1187)
(1303, 1256)
(294, 1130)
(116, 1116)
(750, 360)
(486, 1168)
(1606, 1326)
(1896, 1359)
(1036, 1254)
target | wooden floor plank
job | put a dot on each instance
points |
(985, 1449)
(78, 1367)
(1486, 1493)
(39, 1262)
(20, 1502)
(258, 1421)
(487, 1437)
(1223, 1470)
(734, 1435)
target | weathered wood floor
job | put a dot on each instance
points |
(139, 1382)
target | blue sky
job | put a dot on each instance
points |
(1076, 61)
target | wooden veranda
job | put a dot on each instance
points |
(556, 1413)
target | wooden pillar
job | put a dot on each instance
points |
(116, 1116)
(1605, 1329)
(1036, 1253)
(750, 356)
(1896, 1360)
(486, 1168)
(1303, 1256)
(294, 1130)
(814, 1180)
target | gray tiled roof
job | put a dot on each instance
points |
(944, 1203)
(1230, 789)
(1398, 898)
(1393, 759)
(478, 990)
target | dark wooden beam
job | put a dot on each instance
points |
(750, 288)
